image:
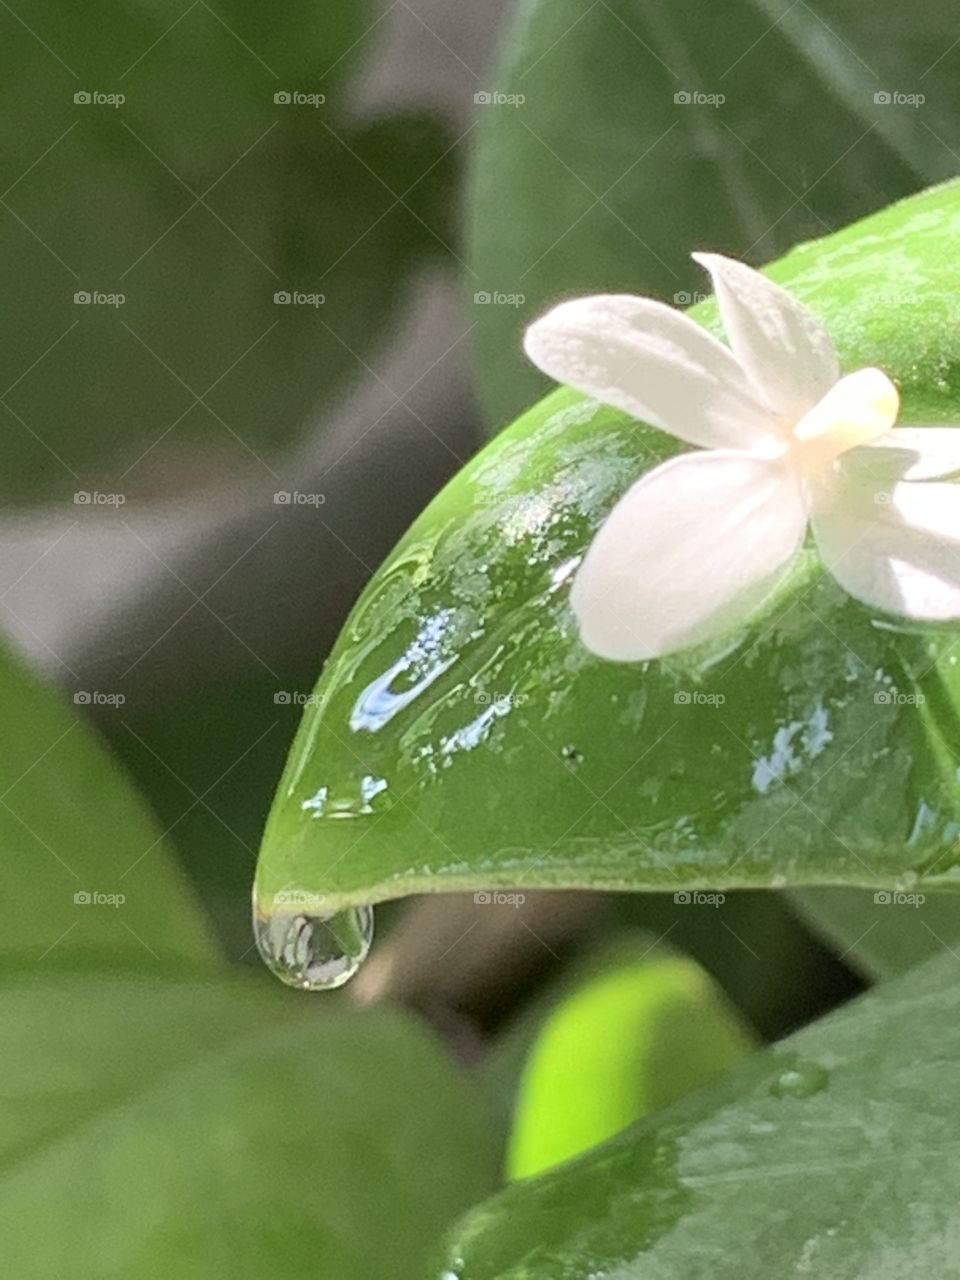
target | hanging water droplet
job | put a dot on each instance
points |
(802, 1080)
(312, 950)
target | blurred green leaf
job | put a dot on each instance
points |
(224, 742)
(883, 933)
(177, 1127)
(766, 1172)
(199, 198)
(75, 838)
(601, 180)
(628, 1042)
(473, 742)
(167, 1119)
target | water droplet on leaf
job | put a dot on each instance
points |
(316, 951)
(357, 800)
(802, 1080)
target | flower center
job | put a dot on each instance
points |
(857, 409)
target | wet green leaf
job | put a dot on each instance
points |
(461, 737)
(830, 1155)
(603, 178)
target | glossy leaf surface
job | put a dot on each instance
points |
(830, 1155)
(461, 737)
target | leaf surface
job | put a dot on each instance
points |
(461, 737)
(830, 1155)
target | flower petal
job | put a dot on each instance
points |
(687, 553)
(894, 546)
(784, 349)
(911, 453)
(655, 363)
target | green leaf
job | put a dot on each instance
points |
(463, 738)
(184, 1122)
(601, 181)
(629, 1041)
(84, 865)
(216, 198)
(883, 933)
(766, 1172)
(224, 740)
(180, 1128)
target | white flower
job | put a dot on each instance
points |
(699, 541)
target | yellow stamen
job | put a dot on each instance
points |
(856, 410)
